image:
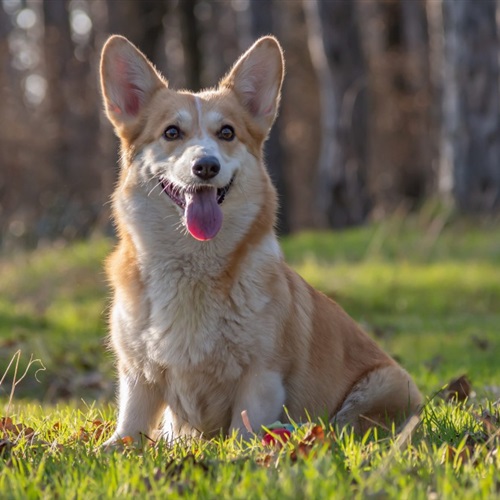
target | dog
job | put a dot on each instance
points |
(207, 320)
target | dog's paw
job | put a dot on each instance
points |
(118, 441)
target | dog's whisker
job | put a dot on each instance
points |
(157, 186)
(243, 193)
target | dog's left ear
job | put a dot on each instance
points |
(256, 79)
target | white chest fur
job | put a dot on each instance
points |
(199, 337)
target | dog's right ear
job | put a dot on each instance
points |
(128, 81)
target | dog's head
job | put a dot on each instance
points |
(193, 153)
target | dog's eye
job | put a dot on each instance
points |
(172, 132)
(226, 133)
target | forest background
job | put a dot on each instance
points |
(390, 122)
(386, 105)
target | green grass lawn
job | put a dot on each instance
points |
(430, 296)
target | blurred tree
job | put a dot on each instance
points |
(190, 31)
(72, 125)
(5, 112)
(220, 38)
(10, 171)
(141, 22)
(470, 155)
(395, 43)
(384, 101)
(300, 110)
(334, 44)
(262, 22)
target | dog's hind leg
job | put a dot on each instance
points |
(262, 395)
(383, 396)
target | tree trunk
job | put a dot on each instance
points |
(190, 31)
(395, 45)
(335, 50)
(262, 22)
(469, 168)
(10, 167)
(73, 125)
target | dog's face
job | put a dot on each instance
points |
(193, 154)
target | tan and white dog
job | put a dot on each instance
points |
(207, 319)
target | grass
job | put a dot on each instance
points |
(431, 297)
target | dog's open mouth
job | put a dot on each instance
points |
(201, 206)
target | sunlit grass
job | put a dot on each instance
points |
(53, 303)
(431, 298)
(64, 461)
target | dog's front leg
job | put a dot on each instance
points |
(141, 405)
(262, 395)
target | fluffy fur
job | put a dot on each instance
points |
(206, 329)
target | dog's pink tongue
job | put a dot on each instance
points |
(203, 214)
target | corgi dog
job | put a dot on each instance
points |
(207, 320)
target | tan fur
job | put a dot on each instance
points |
(206, 329)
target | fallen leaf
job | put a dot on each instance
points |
(265, 460)
(459, 389)
(306, 445)
(316, 433)
(6, 424)
(81, 435)
(17, 430)
(481, 343)
(276, 437)
(101, 428)
(490, 425)
(127, 440)
(95, 432)
(451, 455)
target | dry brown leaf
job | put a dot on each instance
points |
(101, 428)
(481, 343)
(314, 434)
(266, 460)
(491, 423)
(17, 430)
(127, 441)
(97, 429)
(459, 389)
(6, 424)
(81, 435)
(465, 454)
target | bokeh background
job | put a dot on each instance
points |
(387, 106)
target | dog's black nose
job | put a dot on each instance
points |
(206, 168)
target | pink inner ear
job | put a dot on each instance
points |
(257, 90)
(132, 100)
(128, 92)
(254, 103)
(268, 110)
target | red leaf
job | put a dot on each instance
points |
(276, 437)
